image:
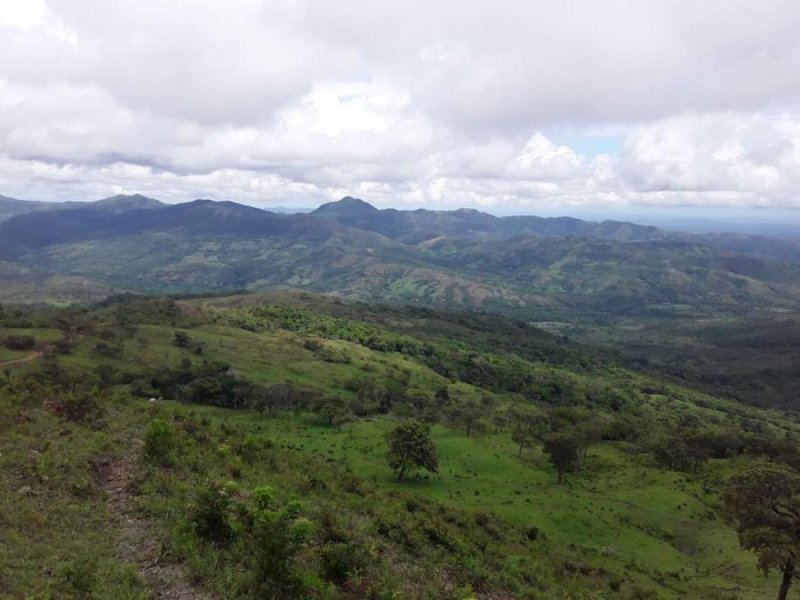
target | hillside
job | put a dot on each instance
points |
(528, 267)
(11, 207)
(295, 392)
(421, 225)
(751, 359)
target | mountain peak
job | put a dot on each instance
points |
(125, 202)
(347, 206)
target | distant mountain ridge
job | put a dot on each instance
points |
(420, 225)
(467, 258)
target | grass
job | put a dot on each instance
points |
(662, 524)
(6, 354)
(658, 529)
(55, 527)
(43, 336)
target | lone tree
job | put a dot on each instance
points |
(765, 503)
(181, 339)
(562, 449)
(410, 448)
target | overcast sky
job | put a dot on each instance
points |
(519, 105)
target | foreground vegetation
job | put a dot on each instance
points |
(243, 441)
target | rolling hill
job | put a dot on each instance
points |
(265, 438)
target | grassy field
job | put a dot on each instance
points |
(661, 524)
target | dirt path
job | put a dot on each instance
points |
(138, 545)
(24, 359)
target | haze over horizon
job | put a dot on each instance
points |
(509, 107)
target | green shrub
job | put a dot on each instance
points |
(343, 560)
(277, 536)
(82, 407)
(211, 516)
(20, 342)
(159, 442)
(79, 578)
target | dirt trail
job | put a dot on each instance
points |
(138, 545)
(24, 359)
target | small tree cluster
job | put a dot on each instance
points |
(20, 342)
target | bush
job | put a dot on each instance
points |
(20, 342)
(277, 537)
(79, 578)
(341, 561)
(312, 344)
(159, 442)
(107, 350)
(211, 518)
(83, 408)
(181, 339)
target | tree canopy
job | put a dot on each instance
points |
(562, 449)
(765, 503)
(410, 448)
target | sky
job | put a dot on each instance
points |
(510, 106)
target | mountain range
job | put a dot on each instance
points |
(524, 265)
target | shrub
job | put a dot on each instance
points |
(181, 339)
(82, 408)
(249, 448)
(79, 578)
(107, 350)
(278, 536)
(342, 561)
(312, 344)
(211, 515)
(20, 342)
(159, 441)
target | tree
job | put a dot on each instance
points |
(765, 503)
(562, 449)
(411, 447)
(673, 454)
(587, 433)
(528, 430)
(181, 339)
(471, 414)
(684, 450)
(335, 410)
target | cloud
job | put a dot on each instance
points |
(503, 103)
(749, 154)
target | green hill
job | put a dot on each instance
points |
(272, 425)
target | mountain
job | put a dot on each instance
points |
(422, 225)
(124, 216)
(525, 266)
(124, 203)
(11, 207)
